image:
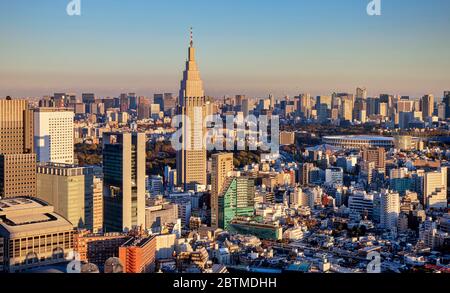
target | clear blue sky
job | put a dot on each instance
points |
(255, 47)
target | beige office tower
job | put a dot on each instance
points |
(347, 108)
(305, 105)
(405, 106)
(17, 160)
(361, 93)
(75, 192)
(427, 106)
(222, 166)
(191, 159)
(63, 187)
(435, 189)
(124, 181)
(383, 109)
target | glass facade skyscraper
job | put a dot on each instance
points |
(124, 181)
(236, 200)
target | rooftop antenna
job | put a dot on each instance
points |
(192, 37)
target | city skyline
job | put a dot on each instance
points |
(260, 48)
(350, 182)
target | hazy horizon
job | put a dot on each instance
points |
(243, 47)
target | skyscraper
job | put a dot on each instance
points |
(323, 107)
(245, 107)
(238, 102)
(237, 199)
(361, 93)
(169, 102)
(435, 189)
(427, 106)
(373, 105)
(272, 101)
(383, 109)
(388, 99)
(17, 158)
(441, 111)
(16, 127)
(405, 106)
(53, 135)
(404, 118)
(88, 98)
(360, 107)
(222, 166)
(133, 100)
(303, 173)
(347, 108)
(305, 105)
(389, 209)
(124, 103)
(75, 192)
(63, 99)
(447, 103)
(191, 158)
(144, 109)
(93, 200)
(159, 100)
(124, 180)
(63, 187)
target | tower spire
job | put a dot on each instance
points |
(192, 37)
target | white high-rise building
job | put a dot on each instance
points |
(53, 135)
(298, 198)
(435, 189)
(314, 196)
(334, 175)
(389, 209)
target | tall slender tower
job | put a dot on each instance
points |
(427, 106)
(389, 209)
(191, 159)
(222, 166)
(447, 104)
(17, 159)
(124, 181)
